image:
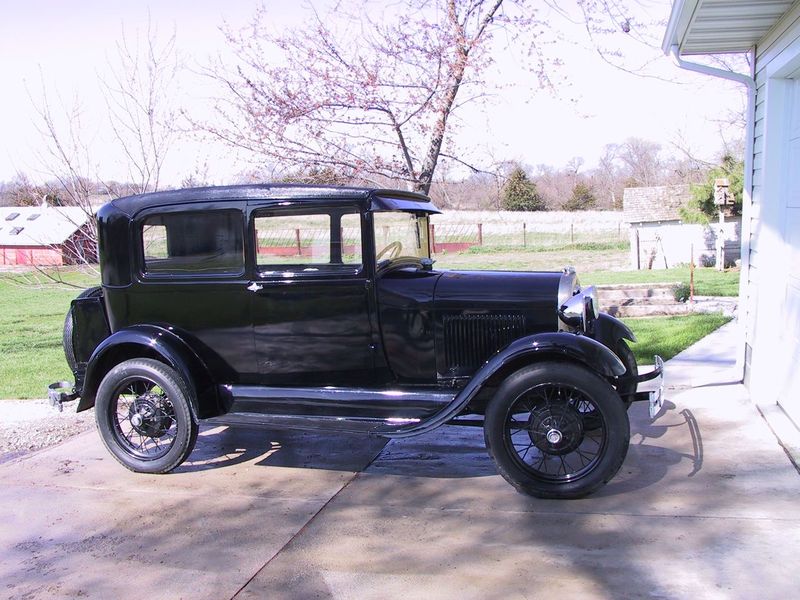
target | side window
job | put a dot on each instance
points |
(186, 243)
(312, 242)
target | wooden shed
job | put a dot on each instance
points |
(659, 237)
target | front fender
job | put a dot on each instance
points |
(571, 346)
(608, 329)
(145, 341)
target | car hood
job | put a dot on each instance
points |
(499, 291)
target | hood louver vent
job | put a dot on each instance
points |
(469, 340)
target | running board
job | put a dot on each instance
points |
(307, 423)
(380, 411)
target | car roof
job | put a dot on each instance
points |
(373, 198)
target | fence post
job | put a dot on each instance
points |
(297, 241)
(433, 238)
(480, 234)
(524, 235)
(691, 274)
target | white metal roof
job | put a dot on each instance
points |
(721, 26)
(53, 225)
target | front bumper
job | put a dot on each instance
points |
(57, 394)
(654, 397)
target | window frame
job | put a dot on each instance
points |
(298, 271)
(138, 224)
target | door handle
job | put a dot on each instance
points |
(255, 287)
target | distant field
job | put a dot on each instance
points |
(596, 263)
(553, 258)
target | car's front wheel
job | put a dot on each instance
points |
(144, 417)
(556, 430)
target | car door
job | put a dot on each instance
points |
(190, 277)
(312, 300)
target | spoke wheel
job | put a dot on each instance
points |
(144, 417)
(556, 430)
(545, 432)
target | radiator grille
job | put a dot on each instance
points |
(469, 340)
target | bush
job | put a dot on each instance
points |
(520, 193)
(682, 292)
(582, 198)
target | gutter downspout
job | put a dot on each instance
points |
(747, 191)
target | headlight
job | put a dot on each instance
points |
(568, 285)
(581, 310)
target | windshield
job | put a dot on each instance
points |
(400, 234)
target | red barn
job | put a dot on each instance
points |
(46, 236)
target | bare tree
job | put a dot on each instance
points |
(370, 99)
(139, 96)
(642, 162)
(67, 163)
(142, 121)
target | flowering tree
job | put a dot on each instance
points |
(370, 100)
(377, 99)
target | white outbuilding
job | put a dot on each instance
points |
(770, 279)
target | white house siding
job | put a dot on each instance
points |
(773, 277)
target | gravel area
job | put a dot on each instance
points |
(30, 425)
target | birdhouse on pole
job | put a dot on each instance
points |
(722, 197)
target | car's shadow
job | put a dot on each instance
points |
(448, 452)
(220, 447)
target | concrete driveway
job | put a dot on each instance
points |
(705, 506)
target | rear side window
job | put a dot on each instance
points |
(186, 243)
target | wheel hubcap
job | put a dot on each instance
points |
(556, 429)
(554, 436)
(148, 417)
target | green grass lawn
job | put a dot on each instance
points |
(707, 281)
(31, 328)
(667, 336)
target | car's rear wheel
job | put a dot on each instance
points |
(556, 430)
(144, 416)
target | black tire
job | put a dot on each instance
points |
(69, 347)
(535, 433)
(627, 357)
(144, 416)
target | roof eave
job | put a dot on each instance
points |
(679, 20)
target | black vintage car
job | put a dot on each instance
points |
(315, 308)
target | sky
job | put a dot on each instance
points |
(65, 47)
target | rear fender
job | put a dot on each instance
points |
(521, 352)
(151, 341)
